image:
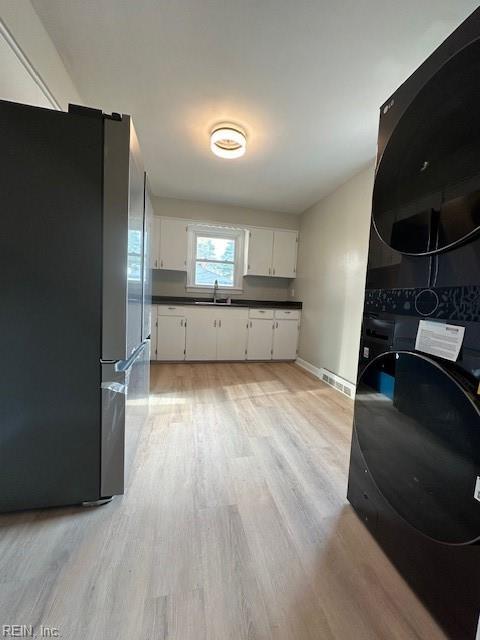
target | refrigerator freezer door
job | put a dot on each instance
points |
(124, 411)
(123, 215)
(114, 390)
(136, 409)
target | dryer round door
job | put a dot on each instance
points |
(427, 187)
(419, 433)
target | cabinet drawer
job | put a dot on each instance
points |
(170, 310)
(266, 314)
(287, 314)
(232, 312)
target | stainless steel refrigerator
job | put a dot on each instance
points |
(74, 304)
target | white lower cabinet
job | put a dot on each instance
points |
(168, 332)
(153, 336)
(285, 339)
(232, 334)
(170, 338)
(205, 333)
(201, 341)
(216, 334)
(260, 336)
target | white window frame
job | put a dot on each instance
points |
(215, 231)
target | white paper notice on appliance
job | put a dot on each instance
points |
(476, 493)
(439, 339)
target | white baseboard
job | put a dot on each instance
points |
(332, 379)
(308, 366)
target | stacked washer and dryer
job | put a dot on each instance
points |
(415, 461)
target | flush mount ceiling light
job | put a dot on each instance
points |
(228, 141)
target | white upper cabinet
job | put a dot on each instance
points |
(155, 242)
(260, 251)
(268, 252)
(271, 253)
(173, 244)
(284, 263)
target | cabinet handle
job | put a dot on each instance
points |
(181, 323)
(274, 271)
(161, 263)
(250, 324)
(219, 323)
(269, 271)
(276, 326)
(287, 312)
(171, 308)
(261, 311)
(156, 263)
(214, 323)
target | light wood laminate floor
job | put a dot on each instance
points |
(234, 526)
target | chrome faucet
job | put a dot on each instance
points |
(215, 291)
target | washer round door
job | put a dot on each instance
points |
(419, 433)
(427, 188)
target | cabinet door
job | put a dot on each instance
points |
(153, 343)
(201, 335)
(155, 242)
(260, 247)
(285, 340)
(231, 336)
(170, 338)
(173, 244)
(284, 264)
(260, 334)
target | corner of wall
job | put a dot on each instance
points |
(332, 262)
(39, 68)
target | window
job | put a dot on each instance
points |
(215, 253)
(134, 267)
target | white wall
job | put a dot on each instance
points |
(224, 213)
(172, 283)
(31, 70)
(332, 260)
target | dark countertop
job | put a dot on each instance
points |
(236, 302)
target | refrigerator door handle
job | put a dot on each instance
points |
(124, 365)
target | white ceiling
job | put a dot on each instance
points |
(305, 78)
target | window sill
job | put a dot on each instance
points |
(203, 288)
